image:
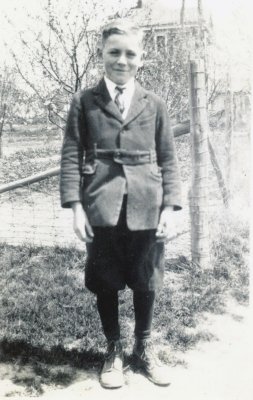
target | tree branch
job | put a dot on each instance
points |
(26, 79)
(53, 73)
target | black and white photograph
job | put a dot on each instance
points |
(126, 125)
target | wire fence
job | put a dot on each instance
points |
(32, 214)
(36, 218)
(31, 217)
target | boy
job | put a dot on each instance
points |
(123, 194)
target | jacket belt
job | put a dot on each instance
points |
(122, 156)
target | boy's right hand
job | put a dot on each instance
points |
(81, 224)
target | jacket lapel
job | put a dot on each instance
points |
(138, 103)
(103, 99)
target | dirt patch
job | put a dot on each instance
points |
(219, 369)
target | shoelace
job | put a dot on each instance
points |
(114, 350)
(148, 352)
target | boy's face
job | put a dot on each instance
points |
(121, 57)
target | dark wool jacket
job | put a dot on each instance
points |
(94, 121)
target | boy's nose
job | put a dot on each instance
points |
(122, 59)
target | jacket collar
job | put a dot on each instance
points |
(103, 99)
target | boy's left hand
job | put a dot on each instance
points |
(166, 227)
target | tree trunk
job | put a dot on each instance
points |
(11, 126)
(200, 12)
(1, 146)
(201, 39)
(229, 128)
(218, 173)
(1, 130)
(182, 13)
(199, 147)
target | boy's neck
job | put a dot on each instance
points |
(129, 82)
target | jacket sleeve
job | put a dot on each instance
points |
(167, 159)
(72, 155)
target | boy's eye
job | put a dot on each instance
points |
(131, 54)
(114, 52)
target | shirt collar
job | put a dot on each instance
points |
(129, 86)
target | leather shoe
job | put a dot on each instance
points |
(111, 376)
(148, 362)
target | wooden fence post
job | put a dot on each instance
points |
(199, 146)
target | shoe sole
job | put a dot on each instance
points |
(111, 387)
(138, 366)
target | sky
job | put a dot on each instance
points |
(222, 10)
(226, 14)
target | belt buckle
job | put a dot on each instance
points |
(117, 157)
(128, 159)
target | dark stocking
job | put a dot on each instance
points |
(107, 304)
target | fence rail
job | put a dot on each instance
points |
(31, 212)
(30, 179)
(33, 215)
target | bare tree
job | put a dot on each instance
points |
(61, 52)
(61, 56)
(3, 113)
(229, 126)
(182, 13)
(200, 12)
(10, 99)
(166, 72)
(5, 86)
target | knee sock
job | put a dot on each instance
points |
(107, 304)
(143, 308)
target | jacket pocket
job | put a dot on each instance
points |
(88, 173)
(147, 119)
(89, 169)
(156, 171)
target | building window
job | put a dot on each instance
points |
(160, 44)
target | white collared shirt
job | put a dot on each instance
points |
(126, 96)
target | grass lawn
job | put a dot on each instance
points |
(49, 320)
(44, 304)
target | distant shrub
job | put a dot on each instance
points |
(230, 254)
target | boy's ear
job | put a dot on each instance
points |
(99, 52)
(143, 54)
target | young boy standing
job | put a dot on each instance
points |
(119, 175)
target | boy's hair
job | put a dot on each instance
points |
(122, 26)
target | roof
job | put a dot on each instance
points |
(161, 13)
(158, 13)
(170, 17)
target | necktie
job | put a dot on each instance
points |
(118, 98)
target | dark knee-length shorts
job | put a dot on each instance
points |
(118, 257)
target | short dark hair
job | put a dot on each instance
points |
(121, 26)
